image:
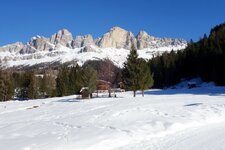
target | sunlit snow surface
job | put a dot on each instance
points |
(172, 119)
(63, 54)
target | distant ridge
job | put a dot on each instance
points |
(42, 49)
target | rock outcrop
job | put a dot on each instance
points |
(144, 40)
(27, 49)
(41, 43)
(117, 38)
(88, 48)
(15, 47)
(81, 41)
(63, 37)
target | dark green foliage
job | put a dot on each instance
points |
(89, 79)
(75, 80)
(70, 80)
(165, 69)
(32, 90)
(62, 82)
(145, 76)
(136, 74)
(43, 86)
(205, 59)
(26, 85)
(6, 86)
(130, 71)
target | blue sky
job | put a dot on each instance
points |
(190, 19)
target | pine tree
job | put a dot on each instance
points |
(131, 71)
(6, 86)
(145, 76)
(89, 78)
(23, 83)
(32, 90)
(2, 90)
(43, 86)
(62, 82)
(75, 80)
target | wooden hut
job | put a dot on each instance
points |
(103, 86)
(85, 93)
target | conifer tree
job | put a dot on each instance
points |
(6, 86)
(131, 71)
(145, 76)
(43, 86)
(89, 78)
(75, 80)
(32, 89)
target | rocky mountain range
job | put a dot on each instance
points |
(62, 42)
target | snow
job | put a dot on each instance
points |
(63, 54)
(171, 119)
(198, 81)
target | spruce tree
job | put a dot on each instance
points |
(131, 71)
(62, 82)
(43, 86)
(145, 76)
(89, 78)
(6, 86)
(75, 80)
(32, 89)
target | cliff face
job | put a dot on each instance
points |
(117, 38)
(63, 37)
(62, 43)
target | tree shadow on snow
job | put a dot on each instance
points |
(72, 100)
(214, 91)
(193, 104)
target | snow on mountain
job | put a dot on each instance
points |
(61, 47)
(170, 119)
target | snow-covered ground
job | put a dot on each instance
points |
(171, 119)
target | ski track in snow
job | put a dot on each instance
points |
(164, 119)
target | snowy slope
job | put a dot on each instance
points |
(64, 54)
(164, 119)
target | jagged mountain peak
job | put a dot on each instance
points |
(117, 38)
(63, 37)
(61, 47)
(81, 41)
(117, 28)
(142, 33)
(64, 31)
(14, 47)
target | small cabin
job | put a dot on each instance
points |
(84, 93)
(192, 85)
(103, 86)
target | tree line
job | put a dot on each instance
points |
(204, 58)
(25, 85)
(61, 81)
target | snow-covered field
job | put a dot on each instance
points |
(171, 119)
